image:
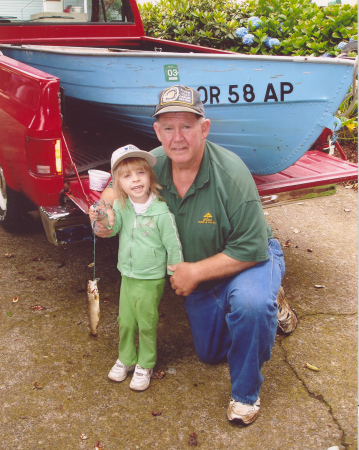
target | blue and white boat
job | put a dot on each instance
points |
(269, 110)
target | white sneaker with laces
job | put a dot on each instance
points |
(141, 378)
(242, 413)
(119, 371)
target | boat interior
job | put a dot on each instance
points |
(158, 45)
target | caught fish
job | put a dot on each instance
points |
(93, 299)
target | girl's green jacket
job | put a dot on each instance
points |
(148, 242)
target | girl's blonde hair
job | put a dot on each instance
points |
(133, 164)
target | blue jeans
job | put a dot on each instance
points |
(237, 319)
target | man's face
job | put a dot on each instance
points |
(183, 136)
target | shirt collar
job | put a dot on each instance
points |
(141, 208)
(202, 176)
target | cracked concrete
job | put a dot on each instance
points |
(53, 375)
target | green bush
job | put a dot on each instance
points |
(302, 28)
(205, 22)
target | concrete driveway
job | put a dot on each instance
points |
(54, 390)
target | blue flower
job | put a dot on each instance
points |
(281, 26)
(254, 22)
(341, 45)
(241, 32)
(351, 39)
(327, 55)
(266, 42)
(273, 42)
(248, 39)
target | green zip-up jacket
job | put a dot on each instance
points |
(148, 241)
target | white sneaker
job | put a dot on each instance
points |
(141, 378)
(240, 412)
(119, 371)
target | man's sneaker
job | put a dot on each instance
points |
(286, 316)
(119, 371)
(241, 413)
(141, 378)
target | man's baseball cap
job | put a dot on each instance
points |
(179, 99)
(130, 151)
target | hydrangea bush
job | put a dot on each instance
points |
(211, 23)
(288, 27)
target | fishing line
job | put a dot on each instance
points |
(100, 208)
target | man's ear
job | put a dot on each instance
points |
(206, 124)
(156, 127)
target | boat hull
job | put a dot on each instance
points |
(268, 110)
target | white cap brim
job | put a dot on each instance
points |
(119, 155)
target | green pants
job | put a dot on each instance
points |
(139, 300)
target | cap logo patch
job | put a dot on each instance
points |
(177, 94)
(130, 148)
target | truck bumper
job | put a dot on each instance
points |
(65, 224)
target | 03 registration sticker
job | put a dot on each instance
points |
(171, 72)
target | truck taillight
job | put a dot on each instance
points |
(58, 158)
(44, 156)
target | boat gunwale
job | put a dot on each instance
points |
(108, 52)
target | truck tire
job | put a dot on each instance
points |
(13, 215)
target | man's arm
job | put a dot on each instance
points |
(187, 276)
(109, 195)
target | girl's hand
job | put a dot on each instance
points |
(102, 219)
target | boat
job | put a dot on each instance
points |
(269, 110)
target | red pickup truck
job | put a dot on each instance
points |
(47, 145)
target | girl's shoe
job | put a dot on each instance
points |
(141, 378)
(119, 371)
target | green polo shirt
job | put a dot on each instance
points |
(221, 212)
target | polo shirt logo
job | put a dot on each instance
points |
(207, 218)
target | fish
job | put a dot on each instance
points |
(93, 300)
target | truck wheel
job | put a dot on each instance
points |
(12, 211)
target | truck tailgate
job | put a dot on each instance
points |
(314, 174)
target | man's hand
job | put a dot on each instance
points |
(184, 279)
(187, 276)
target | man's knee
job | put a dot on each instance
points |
(251, 303)
(215, 348)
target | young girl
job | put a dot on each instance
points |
(149, 241)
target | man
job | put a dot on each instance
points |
(233, 267)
